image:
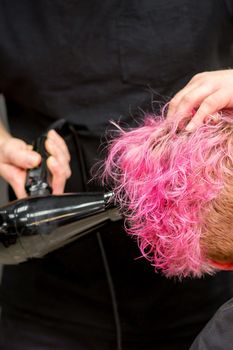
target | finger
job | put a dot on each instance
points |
(173, 104)
(190, 102)
(211, 105)
(25, 159)
(197, 81)
(59, 175)
(52, 134)
(16, 177)
(18, 154)
(61, 157)
(213, 118)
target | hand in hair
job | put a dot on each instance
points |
(206, 94)
(174, 189)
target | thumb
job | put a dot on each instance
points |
(16, 152)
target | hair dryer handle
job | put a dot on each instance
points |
(38, 179)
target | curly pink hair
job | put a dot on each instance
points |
(167, 184)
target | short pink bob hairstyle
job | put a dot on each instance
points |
(175, 190)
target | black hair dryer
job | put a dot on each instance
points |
(39, 224)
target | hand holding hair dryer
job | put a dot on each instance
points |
(36, 225)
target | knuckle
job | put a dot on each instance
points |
(210, 102)
(173, 103)
(199, 76)
(62, 172)
(68, 174)
(187, 99)
(195, 78)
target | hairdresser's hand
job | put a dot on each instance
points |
(58, 161)
(206, 94)
(15, 158)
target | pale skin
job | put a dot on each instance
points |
(205, 94)
(16, 156)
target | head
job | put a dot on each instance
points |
(216, 238)
(175, 190)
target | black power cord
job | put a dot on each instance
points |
(84, 176)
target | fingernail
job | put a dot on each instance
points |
(190, 127)
(33, 159)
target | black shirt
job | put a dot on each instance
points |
(217, 334)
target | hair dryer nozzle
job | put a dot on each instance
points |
(35, 226)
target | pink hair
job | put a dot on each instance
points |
(165, 180)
